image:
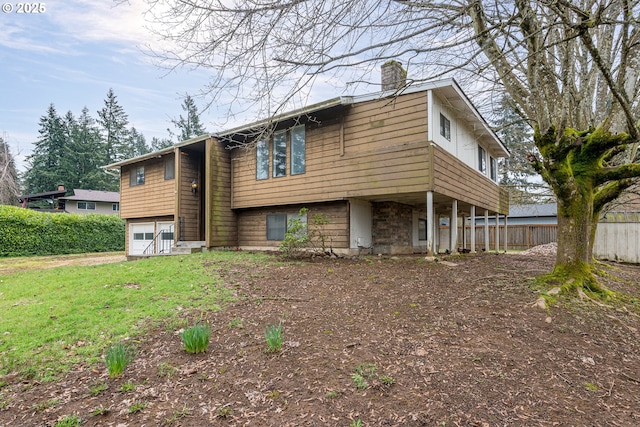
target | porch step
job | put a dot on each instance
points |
(182, 248)
(190, 244)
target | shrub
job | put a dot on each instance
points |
(26, 232)
(273, 335)
(117, 358)
(301, 235)
(196, 339)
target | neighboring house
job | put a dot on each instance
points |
(92, 201)
(80, 202)
(49, 201)
(382, 167)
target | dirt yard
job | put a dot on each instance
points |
(453, 343)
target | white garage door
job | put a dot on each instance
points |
(140, 237)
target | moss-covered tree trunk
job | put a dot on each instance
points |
(578, 166)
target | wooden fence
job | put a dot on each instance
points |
(615, 240)
(519, 237)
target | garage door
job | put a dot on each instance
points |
(140, 237)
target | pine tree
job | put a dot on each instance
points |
(45, 172)
(113, 122)
(189, 126)
(160, 143)
(517, 174)
(137, 145)
(90, 155)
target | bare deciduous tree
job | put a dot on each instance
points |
(9, 184)
(571, 67)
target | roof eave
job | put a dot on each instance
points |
(265, 123)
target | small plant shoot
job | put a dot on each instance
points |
(117, 358)
(274, 335)
(196, 339)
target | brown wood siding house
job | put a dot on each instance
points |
(383, 168)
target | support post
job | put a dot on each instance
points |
(505, 235)
(486, 230)
(472, 229)
(430, 225)
(497, 232)
(453, 224)
(464, 232)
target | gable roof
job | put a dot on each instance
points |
(94, 196)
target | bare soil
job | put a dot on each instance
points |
(459, 342)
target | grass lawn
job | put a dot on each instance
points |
(54, 318)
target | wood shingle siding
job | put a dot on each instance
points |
(222, 223)
(252, 224)
(453, 178)
(156, 197)
(189, 214)
(383, 154)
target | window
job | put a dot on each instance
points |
(169, 168)
(166, 235)
(277, 224)
(298, 164)
(298, 160)
(494, 169)
(279, 154)
(445, 127)
(142, 236)
(86, 206)
(422, 229)
(136, 176)
(482, 160)
(262, 160)
(115, 207)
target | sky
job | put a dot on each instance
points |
(70, 55)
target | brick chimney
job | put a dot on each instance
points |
(393, 75)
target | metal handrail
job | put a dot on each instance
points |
(164, 247)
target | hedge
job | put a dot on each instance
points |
(26, 232)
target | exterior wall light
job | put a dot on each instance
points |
(194, 186)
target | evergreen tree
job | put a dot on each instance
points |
(45, 172)
(90, 155)
(159, 144)
(113, 122)
(189, 126)
(137, 145)
(517, 173)
(9, 184)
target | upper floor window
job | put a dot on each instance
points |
(262, 160)
(482, 160)
(169, 168)
(445, 127)
(136, 176)
(291, 142)
(87, 206)
(298, 150)
(279, 154)
(493, 164)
